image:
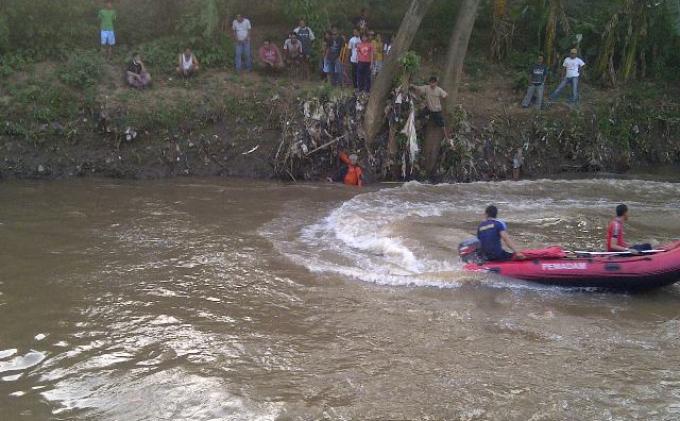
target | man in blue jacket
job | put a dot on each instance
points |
(491, 234)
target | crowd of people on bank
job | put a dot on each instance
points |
(342, 61)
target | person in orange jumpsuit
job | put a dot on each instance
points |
(351, 174)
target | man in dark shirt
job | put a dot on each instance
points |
(490, 234)
(136, 74)
(361, 21)
(306, 36)
(332, 63)
(537, 76)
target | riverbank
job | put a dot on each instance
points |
(60, 121)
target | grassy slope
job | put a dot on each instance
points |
(52, 128)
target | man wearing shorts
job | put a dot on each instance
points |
(433, 95)
(107, 17)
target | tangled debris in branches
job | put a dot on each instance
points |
(316, 130)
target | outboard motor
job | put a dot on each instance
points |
(470, 251)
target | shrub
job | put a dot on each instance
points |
(11, 63)
(83, 69)
(161, 55)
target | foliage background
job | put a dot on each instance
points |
(637, 38)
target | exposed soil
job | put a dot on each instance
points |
(240, 139)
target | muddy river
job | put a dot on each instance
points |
(223, 300)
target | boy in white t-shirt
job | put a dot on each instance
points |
(354, 58)
(571, 74)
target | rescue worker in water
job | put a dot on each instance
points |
(491, 233)
(351, 173)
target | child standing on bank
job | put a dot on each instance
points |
(107, 17)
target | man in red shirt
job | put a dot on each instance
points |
(351, 174)
(270, 56)
(615, 235)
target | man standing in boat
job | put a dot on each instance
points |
(615, 236)
(491, 233)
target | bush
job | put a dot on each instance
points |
(83, 69)
(161, 55)
(11, 63)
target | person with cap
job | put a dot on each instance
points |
(571, 74)
(351, 173)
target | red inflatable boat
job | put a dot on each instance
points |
(554, 266)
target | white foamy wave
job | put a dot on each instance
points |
(408, 235)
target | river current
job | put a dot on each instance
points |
(231, 300)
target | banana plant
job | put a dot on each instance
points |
(673, 8)
(624, 46)
(556, 19)
(502, 31)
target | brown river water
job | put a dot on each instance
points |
(225, 300)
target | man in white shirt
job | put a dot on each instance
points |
(241, 28)
(354, 58)
(571, 74)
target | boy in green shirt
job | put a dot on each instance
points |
(108, 36)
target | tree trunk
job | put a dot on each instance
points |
(550, 34)
(458, 49)
(375, 111)
(392, 153)
(454, 70)
(432, 145)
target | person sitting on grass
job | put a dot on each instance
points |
(188, 64)
(293, 53)
(270, 57)
(350, 173)
(137, 76)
